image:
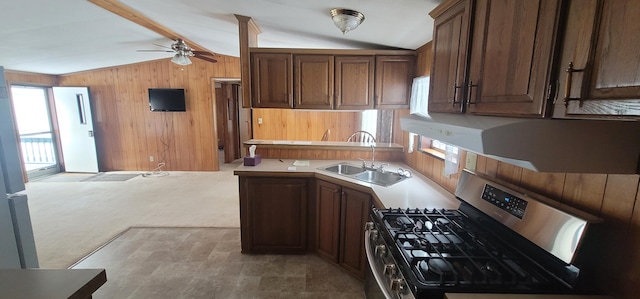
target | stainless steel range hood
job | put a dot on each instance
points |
(545, 145)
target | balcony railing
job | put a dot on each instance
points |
(38, 148)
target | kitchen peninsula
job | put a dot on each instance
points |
(293, 209)
(330, 150)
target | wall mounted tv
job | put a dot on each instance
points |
(166, 99)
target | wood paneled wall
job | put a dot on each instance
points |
(291, 124)
(615, 198)
(127, 133)
(30, 79)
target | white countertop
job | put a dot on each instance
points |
(415, 192)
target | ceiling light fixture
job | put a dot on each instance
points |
(346, 19)
(181, 59)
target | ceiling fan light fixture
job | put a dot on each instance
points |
(181, 59)
(346, 19)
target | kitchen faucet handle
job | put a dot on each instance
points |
(364, 162)
(381, 167)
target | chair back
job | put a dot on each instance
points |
(361, 136)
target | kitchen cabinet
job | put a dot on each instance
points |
(273, 213)
(354, 82)
(341, 215)
(394, 75)
(271, 80)
(509, 57)
(313, 81)
(601, 41)
(450, 37)
(322, 79)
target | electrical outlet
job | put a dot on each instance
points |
(259, 120)
(470, 163)
(150, 158)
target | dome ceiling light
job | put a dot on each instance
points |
(346, 19)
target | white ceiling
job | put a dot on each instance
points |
(65, 36)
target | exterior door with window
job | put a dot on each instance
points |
(75, 123)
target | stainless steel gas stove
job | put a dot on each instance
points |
(499, 241)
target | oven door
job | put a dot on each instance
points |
(383, 280)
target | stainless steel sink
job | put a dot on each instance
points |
(368, 175)
(346, 169)
(380, 178)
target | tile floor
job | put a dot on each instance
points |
(207, 263)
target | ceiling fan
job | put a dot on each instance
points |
(183, 52)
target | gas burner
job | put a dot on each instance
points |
(439, 266)
(442, 222)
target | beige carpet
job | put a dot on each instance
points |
(71, 219)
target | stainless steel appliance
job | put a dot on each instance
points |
(500, 240)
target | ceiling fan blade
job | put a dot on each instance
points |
(205, 58)
(154, 51)
(202, 53)
(161, 46)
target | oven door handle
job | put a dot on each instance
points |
(372, 263)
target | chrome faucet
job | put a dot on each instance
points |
(373, 155)
(373, 159)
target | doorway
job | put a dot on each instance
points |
(232, 121)
(37, 141)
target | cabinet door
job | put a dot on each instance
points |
(273, 213)
(354, 82)
(271, 80)
(313, 81)
(354, 214)
(394, 75)
(602, 39)
(328, 220)
(448, 70)
(511, 53)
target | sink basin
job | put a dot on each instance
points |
(346, 169)
(368, 175)
(380, 178)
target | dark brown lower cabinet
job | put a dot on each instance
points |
(341, 214)
(273, 214)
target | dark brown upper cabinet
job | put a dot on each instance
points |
(601, 40)
(313, 81)
(354, 82)
(271, 80)
(504, 66)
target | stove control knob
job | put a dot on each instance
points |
(381, 250)
(390, 269)
(373, 234)
(397, 285)
(369, 226)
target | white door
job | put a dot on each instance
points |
(73, 111)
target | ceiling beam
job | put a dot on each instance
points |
(137, 17)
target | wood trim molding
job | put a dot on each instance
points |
(137, 17)
(332, 51)
(248, 35)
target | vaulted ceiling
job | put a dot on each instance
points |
(66, 36)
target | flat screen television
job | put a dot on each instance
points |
(167, 99)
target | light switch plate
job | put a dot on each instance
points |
(471, 160)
